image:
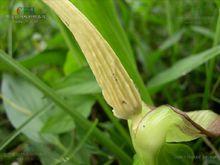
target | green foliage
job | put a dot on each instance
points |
(70, 64)
(48, 57)
(54, 125)
(168, 47)
(183, 66)
(79, 82)
(175, 154)
(83, 123)
(21, 106)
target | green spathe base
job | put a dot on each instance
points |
(151, 130)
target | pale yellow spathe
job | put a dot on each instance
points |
(117, 87)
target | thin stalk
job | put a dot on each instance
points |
(10, 39)
(170, 26)
(61, 146)
(81, 121)
(212, 147)
(62, 158)
(89, 132)
(71, 155)
(215, 86)
(210, 67)
(10, 29)
(208, 84)
(217, 100)
(168, 17)
(114, 120)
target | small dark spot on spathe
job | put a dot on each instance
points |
(115, 78)
(124, 102)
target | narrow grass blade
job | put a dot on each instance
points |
(71, 154)
(203, 31)
(210, 68)
(172, 40)
(50, 57)
(183, 67)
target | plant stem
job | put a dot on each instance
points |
(10, 28)
(89, 132)
(168, 17)
(212, 147)
(170, 27)
(210, 67)
(81, 121)
(70, 155)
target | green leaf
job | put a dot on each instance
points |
(51, 75)
(54, 42)
(55, 125)
(49, 57)
(46, 153)
(70, 64)
(203, 31)
(19, 129)
(171, 40)
(175, 154)
(21, 100)
(183, 67)
(79, 82)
